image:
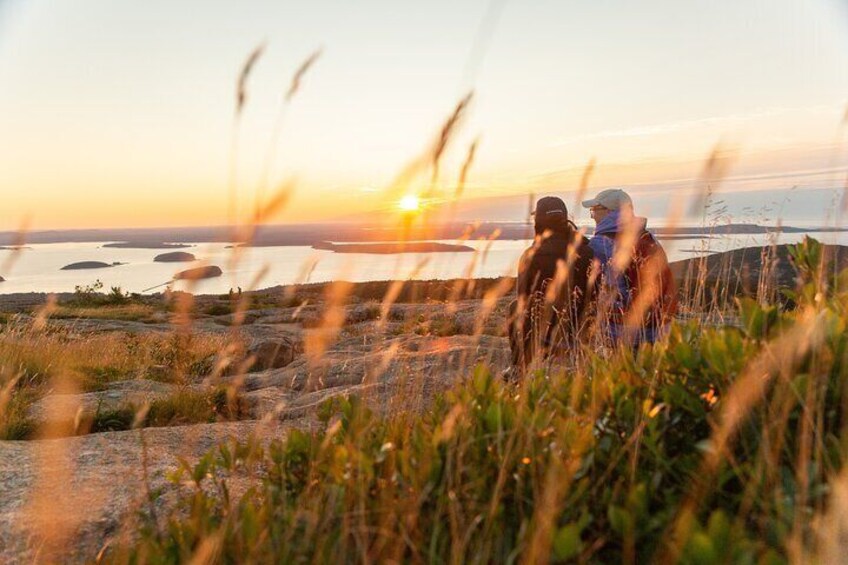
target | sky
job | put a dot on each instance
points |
(121, 114)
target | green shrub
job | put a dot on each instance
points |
(114, 420)
(181, 408)
(91, 295)
(687, 451)
(219, 309)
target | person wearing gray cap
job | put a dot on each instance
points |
(553, 288)
(641, 297)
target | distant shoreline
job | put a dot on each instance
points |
(146, 245)
(393, 248)
(745, 263)
(312, 234)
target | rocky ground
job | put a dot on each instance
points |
(85, 488)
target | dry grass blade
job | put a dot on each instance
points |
(490, 302)
(717, 166)
(43, 313)
(385, 358)
(466, 167)
(244, 75)
(208, 551)
(432, 154)
(496, 233)
(465, 284)
(276, 204)
(301, 72)
(625, 245)
(563, 268)
(245, 235)
(844, 201)
(395, 289)
(241, 99)
(833, 528)
(447, 132)
(55, 508)
(303, 276)
(446, 428)
(271, 153)
(17, 247)
(264, 212)
(319, 340)
(482, 40)
(583, 186)
(6, 392)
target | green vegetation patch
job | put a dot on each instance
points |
(713, 446)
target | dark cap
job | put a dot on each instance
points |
(549, 207)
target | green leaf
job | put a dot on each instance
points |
(701, 550)
(567, 542)
(493, 418)
(620, 519)
(718, 528)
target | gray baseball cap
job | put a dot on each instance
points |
(611, 199)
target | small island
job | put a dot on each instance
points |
(146, 245)
(89, 265)
(174, 257)
(663, 237)
(389, 248)
(208, 272)
(14, 247)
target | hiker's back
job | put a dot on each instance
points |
(653, 292)
(552, 294)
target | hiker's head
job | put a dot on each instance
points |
(610, 200)
(550, 214)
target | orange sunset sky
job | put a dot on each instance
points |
(120, 114)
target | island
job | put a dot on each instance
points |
(207, 272)
(146, 245)
(89, 265)
(745, 269)
(663, 237)
(393, 247)
(174, 257)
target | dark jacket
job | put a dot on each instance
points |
(549, 312)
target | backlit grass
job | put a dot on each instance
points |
(717, 445)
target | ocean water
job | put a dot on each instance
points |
(38, 268)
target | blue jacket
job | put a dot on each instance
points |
(603, 246)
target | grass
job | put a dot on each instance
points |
(181, 408)
(35, 363)
(121, 312)
(15, 423)
(38, 357)
(184, 407)
(717, 445)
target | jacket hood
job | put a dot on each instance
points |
(611, 224)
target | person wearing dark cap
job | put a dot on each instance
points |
(553, 288)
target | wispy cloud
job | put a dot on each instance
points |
(684, 125)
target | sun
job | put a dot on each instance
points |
(409, 203)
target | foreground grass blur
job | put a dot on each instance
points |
(717, 445)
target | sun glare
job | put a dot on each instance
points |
(409, 203)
